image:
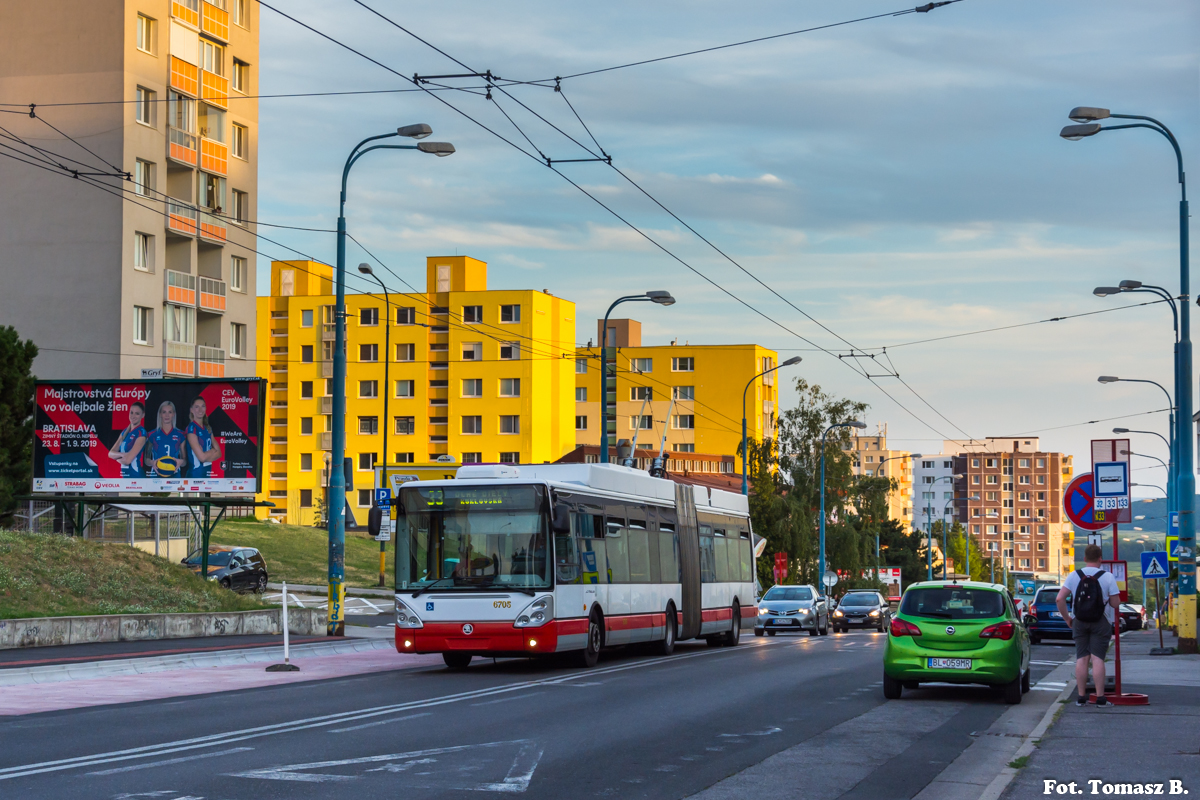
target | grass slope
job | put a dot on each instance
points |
(301, 555)
(60, 576)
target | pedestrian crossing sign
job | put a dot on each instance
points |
(1154, 565)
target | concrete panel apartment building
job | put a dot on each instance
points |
(155, 271)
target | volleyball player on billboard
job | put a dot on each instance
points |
(127, 450)
(166, 445)
(202, 445)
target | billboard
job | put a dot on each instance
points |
(148, 436)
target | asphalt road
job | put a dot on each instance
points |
(636, 726)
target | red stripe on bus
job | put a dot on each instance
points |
(715, 614)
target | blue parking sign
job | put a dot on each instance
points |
(383, 498)
(1154, 565)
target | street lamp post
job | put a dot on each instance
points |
(661, 298)
(788, 363)
(821, 556)
(1185, 490)
(337, 482)
(365, 269)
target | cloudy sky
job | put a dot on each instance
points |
(898, 179)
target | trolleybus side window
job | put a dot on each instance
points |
(593, 560)
(639, 555)
(668, 556)
(721, 554)
(566, 559)
(652, 548)
(616, 544)
(708, 559)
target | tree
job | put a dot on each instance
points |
(904, 549)
(16, 419)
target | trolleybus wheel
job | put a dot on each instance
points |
(735, 632)
(590, 654)
(666, 645)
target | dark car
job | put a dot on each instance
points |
(242, 569)
(1131, 618)
(862, 610)
(1043, 620)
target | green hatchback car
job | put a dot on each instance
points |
(950, 632)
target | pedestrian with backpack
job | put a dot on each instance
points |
(1095, 598)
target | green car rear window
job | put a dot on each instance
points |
(952, 603)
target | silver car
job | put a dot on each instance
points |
(792, 608)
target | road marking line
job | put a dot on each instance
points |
(169, 761)
(767, 732)
(372, 605)
(378, 722)
(506, 699)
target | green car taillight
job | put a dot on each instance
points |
(902, 627)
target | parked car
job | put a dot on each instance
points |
(241, 569)
(862, 610)
(792, 608)
(1131, 618)
(957, 633)
(1043, 620)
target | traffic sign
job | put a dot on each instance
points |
(1173, 524)
(1112, 478)
(1110, 470)
(383, 498)
(1172, 548)
(1096, 539)
(1079, 503)
(830, 579)
(1154, 564)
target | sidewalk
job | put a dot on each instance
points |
(1150, 744)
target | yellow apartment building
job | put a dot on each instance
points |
(476, 375)
(872, 457)
(692, 392)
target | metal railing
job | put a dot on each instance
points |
(182, 219)
(211, 362)
(212, 294)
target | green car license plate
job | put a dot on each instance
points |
(948, 663)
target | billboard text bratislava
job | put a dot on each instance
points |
(148, 436)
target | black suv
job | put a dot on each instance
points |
(242, 569)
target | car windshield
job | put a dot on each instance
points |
(219, 558)
(952, 603)
(788, 593)
(1047, 596)
(860, 600)
(480, 536)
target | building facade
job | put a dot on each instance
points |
(872, 458)
(153, 271)
(933, 490)
(472, 374)
(690, 393)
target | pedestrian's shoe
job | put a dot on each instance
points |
(1102, 702)
(1081, 701)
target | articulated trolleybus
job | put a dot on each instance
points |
(534, 560)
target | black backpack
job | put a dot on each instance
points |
(1088, 605)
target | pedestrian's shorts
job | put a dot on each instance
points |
(1091, 638)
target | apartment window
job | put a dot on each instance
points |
(510, 458)
(368, 352)
(580, 394)
(237, 275)
(181, 112)
(974, 480)
(1041, 462)
(237, 340)
(143, 330)
(991, 462)
(1041, 479)
(1041, 563)
(368, 426)
(510, 423)
(212, 57)
(306, 428)
(405, 425)
(510, 351)
(306, 498)
(684, 392)
(366, 461)
(239, 142)
(641, 393)
(684, 448)
(510, 313)
(473, 424)
(992, 529)
(510, 387)
(927, 465)
(241, 77)
(240, 12)
(581, 423)
(143, 109)
(405, 352)
(1023, 497)
(1041, 547)
(212, 122)
(473, 313)
(405, 458)
(683, 421)
(143, 252)
(368, 389)
(641, 365)
(406, 388)
(179, 324)
(581, 366)
(974, 462)
(143, 177)
(364, 498)
(472, 458)
(1041, 530)
(406, 316)
(306, 390)
(472, 351)
(306, 353)
(212, 192)
(147, 30)
(643, 422)
(993, 480)
(1022, 462)
(306, 462)
(947, 464)
(472, 387)
(975, 529)
(306, 318)
(687, 364)
(241, 207)
(368, 316)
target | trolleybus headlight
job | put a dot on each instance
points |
(536, 614)
(405, 618)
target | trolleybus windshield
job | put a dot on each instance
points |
(478, 536)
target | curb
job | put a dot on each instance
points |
(139, 666)
(324, 590)
(1001, 781)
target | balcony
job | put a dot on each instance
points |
(181, 359)
(182, 219)
(215, 21)
(326, 440)
(184, 147)
(181, 288)
(326, 405)
(187, 11)
(214, 89)
(212, 228)
(212, 295)
(277, 332)
(211, 362)
(326, 369)
(214, 157)
(184, 76)
(328, 332)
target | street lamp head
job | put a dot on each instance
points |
(1108, 379)
(855, 424)
(661, 297)
(1140, 517)
(1087, 114)
(959, 475)
(1105, 291)
(1120, 430)
(439, 149)
(791, 361)
(1074, 133)
(1129, 286)
(914, 455)
(419, 131)
(365, 269)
